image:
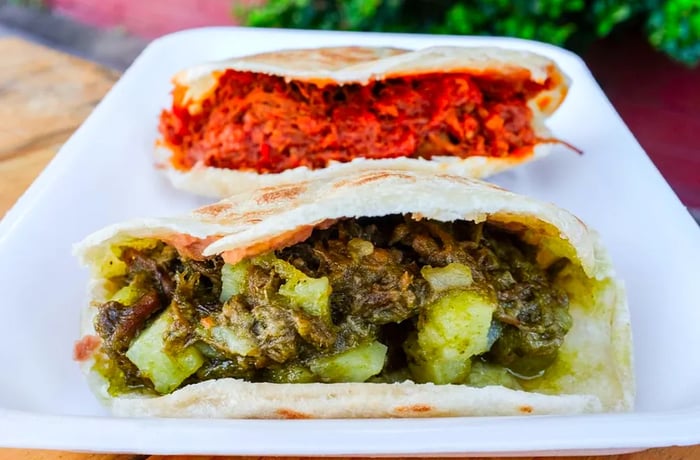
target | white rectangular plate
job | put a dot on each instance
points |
(105, 174)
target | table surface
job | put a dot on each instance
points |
(44, 96)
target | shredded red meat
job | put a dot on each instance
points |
(263, 123)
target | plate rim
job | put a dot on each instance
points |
(12, 421)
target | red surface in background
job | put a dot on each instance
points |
(147, 18)
(658, 99)
(660, 102)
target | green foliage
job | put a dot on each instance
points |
(673, 26)
(36, 4)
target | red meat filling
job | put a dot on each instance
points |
(262, 123)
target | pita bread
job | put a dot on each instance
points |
(593, 372)
(363, 65)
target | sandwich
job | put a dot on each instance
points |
(383, 293)
(284, 116)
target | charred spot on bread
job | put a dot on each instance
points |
(414, 409)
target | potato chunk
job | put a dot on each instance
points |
(354, 365)
(164, 370)
(450, 331)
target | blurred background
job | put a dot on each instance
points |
(644, 53)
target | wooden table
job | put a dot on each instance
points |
(44, 96)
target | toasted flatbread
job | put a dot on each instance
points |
(592, 373)
(209, 168)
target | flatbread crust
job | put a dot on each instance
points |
(596, 375)
(344, 65)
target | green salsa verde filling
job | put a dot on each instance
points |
(366, 300)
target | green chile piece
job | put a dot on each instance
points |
(233, 279)
(310, 294)
(127, 295)
(484, 374)
(291, 373)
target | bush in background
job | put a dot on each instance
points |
(672, 26)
